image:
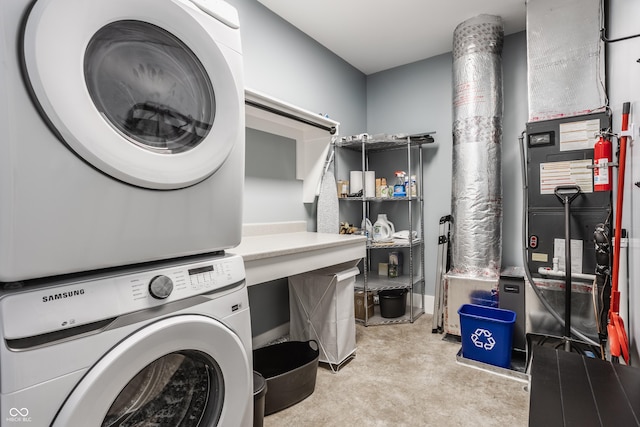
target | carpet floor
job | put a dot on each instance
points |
(404, 375)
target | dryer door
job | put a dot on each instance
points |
(149, 92)
(186, 370)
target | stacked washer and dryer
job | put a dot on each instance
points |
(121, 181)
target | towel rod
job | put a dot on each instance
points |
(330, 129)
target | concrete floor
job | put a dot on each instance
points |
(403, 375)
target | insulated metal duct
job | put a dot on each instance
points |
(477, 135)
(565, 58)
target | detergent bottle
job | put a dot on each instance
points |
(383, 229)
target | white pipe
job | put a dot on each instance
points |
(545, 271)
(623, 283)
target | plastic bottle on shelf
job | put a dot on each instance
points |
(414, 187)
(383, 229)
(399, 190)
(384, 189)
(367, 227)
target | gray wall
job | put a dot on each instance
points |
(282, 62)
(271, 194)
(417, 98)
(270, 179)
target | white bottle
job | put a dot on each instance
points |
(383, 229)
(367, 227)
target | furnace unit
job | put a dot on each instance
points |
(559, 153)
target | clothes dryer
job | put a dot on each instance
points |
(168, 345)
(123, 133)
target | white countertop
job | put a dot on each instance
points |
(274, 256)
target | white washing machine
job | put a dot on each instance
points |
(168, 346)
(122, 133)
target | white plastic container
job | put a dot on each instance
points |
(383, 229)
(367, 227)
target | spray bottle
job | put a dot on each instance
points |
(399, 189)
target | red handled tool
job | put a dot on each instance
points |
(618, 341)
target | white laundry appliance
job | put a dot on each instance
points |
(122, 133)
(170, 346)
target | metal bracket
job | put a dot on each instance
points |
(603, 165)
(631, 132)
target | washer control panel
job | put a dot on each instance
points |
(64, 305)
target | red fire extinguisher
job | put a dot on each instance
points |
(602, 155)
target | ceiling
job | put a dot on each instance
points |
(375, 35)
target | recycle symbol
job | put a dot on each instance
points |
(482, 339)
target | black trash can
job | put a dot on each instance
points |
(259, 391)
(393, 302)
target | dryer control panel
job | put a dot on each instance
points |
(54, 307)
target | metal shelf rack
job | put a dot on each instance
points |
(412, 280)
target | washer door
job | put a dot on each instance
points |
(186, 370)
(140, 89)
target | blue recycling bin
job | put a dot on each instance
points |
(487, 334)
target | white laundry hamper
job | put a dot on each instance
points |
(322, 309)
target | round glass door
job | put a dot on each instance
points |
(151, 96)
(184, 370)
(149, 86)
(178, 389)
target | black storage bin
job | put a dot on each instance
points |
(259, 392)
(393, 302)
(290, 369)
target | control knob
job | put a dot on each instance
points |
(160, 287)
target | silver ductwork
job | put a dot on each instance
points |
(565, 58)
(477, 136)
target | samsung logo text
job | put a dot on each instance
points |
(63, 295)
